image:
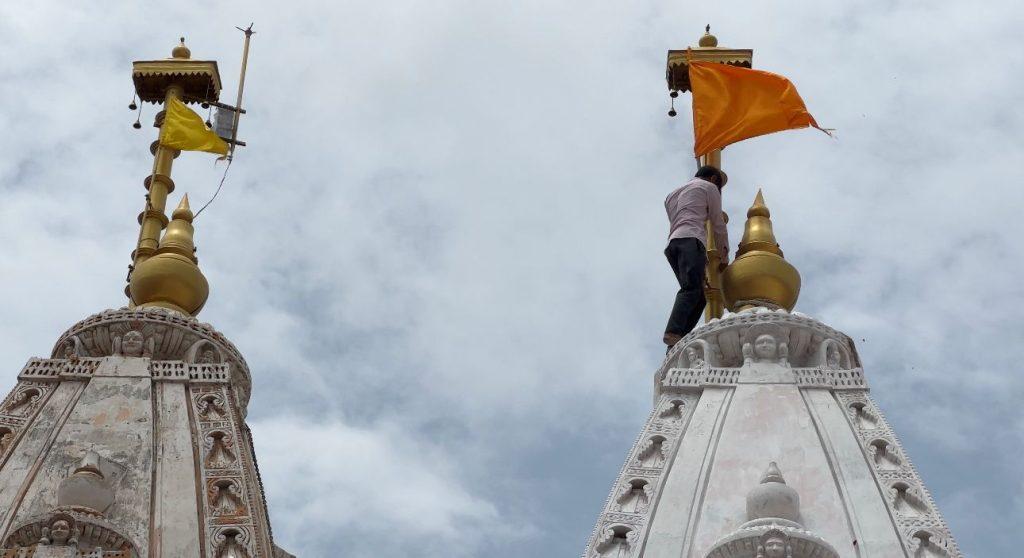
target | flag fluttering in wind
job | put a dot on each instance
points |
(731, 104)
(185, 130)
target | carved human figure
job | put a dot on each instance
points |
(59, 533)
(208, 357)
(694, 356)
(69, 350)
(765, 349)
(132, 344)
(833, 358)
(773, 547)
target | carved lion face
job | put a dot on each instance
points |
(765, 346)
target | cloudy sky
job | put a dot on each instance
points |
(441, 251)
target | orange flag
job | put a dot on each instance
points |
(731, 104)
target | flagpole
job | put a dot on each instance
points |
(713, 278)
(678, 76)
(166, 80)
(241, 86)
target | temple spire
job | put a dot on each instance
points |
(760, 276)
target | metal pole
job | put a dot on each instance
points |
(241, 86)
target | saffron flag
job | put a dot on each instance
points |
(731, 104)
(185, 130)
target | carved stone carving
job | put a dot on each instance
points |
(622, 524)
(169, 336)
(725, 337)
(910, 503)
(133, 344)
(772, 530)
(82, 528)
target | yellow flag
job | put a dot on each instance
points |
(185, 130)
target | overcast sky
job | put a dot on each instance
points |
(441, 251)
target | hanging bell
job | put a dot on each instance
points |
(137, 125)
(673, 94)
(672, 112)
(132, 106)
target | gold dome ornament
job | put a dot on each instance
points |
(171, 278)
(760, 276)
(708, 40)
(181, 51)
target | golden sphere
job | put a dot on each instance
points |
(181, 51)
(708, 40)
(759, 277)
(170, 280)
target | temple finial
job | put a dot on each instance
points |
(181, 51)
(760, 276)
(708, 40)
(172, 278)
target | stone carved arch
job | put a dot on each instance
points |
(927, 544)
(673, 409)
(617, 541)
(885, 456)
(654, 452)
(832, 355)
(204, 352)
(907, 499)
(232, 542)
(85, 528)
(634, 496)
(862, 416)
(23, 401)
(220, 450)
(698, 354)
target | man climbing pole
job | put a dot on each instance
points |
(688, 207)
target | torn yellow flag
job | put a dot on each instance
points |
(185, 130)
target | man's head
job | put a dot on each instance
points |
(712, 175)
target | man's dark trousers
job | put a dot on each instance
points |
(688, 259)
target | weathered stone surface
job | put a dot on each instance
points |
(109, 446)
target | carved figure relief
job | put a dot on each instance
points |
(203, 352)
(907, 501)
(72, 348)
(616, 542)
(694, 354)
(226, 498)
(23, 403)
(59, 533)
(219, 453)
(774, 544)
(133, 344)
(884, 455)
(653, 454)
(211, 407)
(766, 349)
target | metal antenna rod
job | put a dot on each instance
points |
(241, 86)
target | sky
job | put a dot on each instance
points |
(440, 252)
